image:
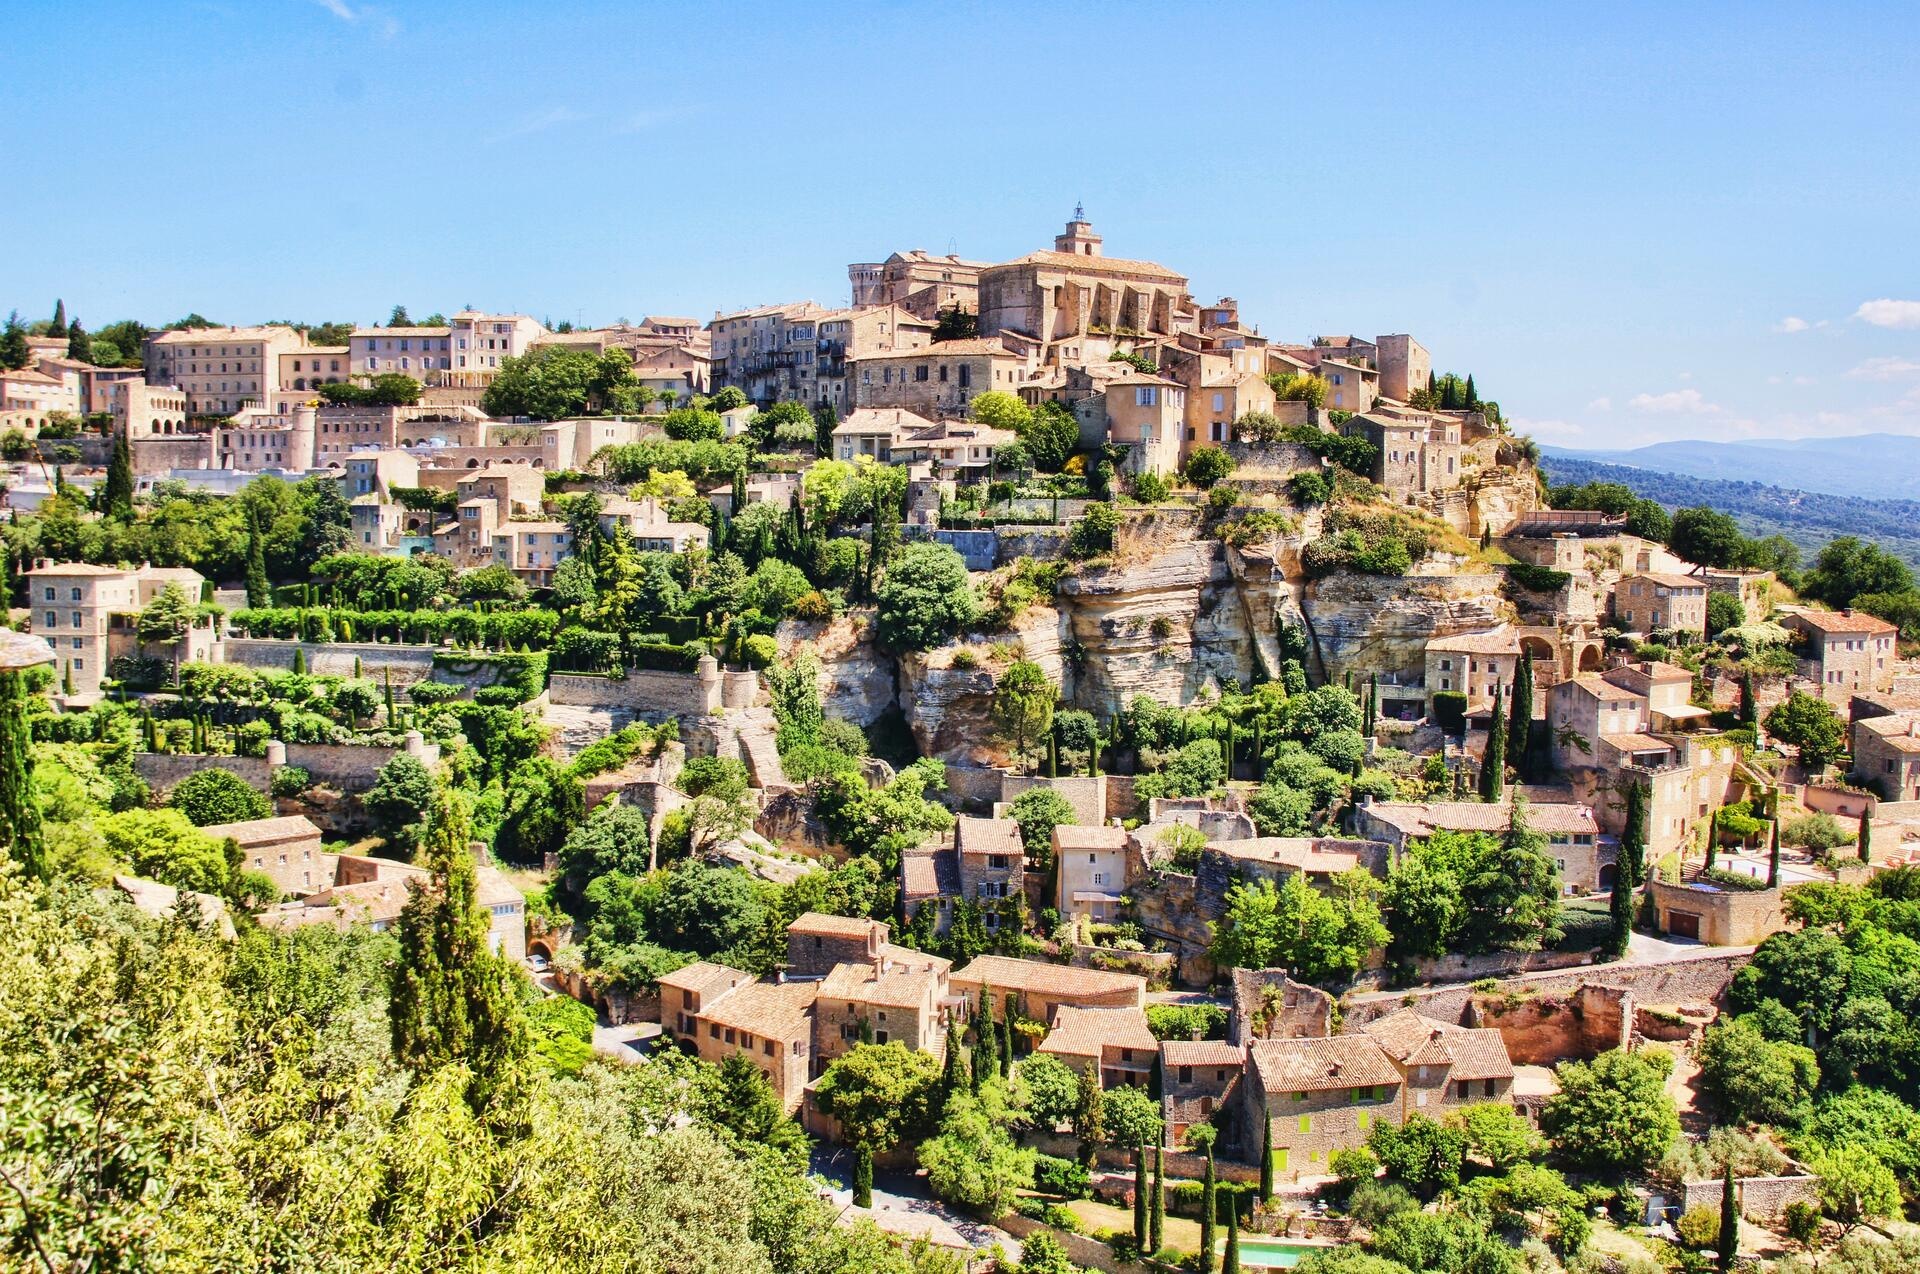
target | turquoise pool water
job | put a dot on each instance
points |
(1271, 1254)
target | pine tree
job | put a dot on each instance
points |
(118, 499)
(1493, 771)
(1140, 1196)
(259, 591)
(1773, 858)
(1865, 840)
(19, 811)
(1266, 1161)
(1729, 1243)
(1157, 1212)
(451, 998)
(1520, 720)
(1232, 1263)
(15, 353)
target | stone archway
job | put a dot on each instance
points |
(1609, 874)
(1591, 658)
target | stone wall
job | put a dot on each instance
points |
(350, 767)
(1722, 917)
(1086, 793)
(1838, 801)
(1761, 1198)
(1696, 977)
(978, 549)
(1043, 542)
(406, 664)
(161, 770)
(1157, 967)
(1496, 964)
(1541, 1030)
(647, 694)
(974, 787)
(1081, 1250)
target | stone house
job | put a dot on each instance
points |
(953, 449)
(939, 380)
(1886, 755)
(1405, 365)
(817, 942)
(1473, 664)
(875, 432)
(919, 282)
(1586, 860)
(1419, 452)
(1115, 1044)
(1197, 1078)
(900, 996)
(649, 528)
(1146, 414)
(1351, 386)
(1091, 870)
(1645, 603)
(930, 876)
(991, 859)
(1039, 987)
(770, 1024)
(373, 891)
(1753, 589)
(85, 612)
(285, 850)
(1847, 652)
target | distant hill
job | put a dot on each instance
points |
(1871, 466)
(1808, 518)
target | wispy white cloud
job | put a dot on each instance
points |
(1677, 402)
(366, 15)
(1602, 403)
(1890, 367)
(553, 117)
(1887, 312)
(644, 121)
(1791, 323)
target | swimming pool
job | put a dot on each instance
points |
(1271, 1254)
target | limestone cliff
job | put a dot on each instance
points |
(947, 693)
(1370, 623)
(857, 681)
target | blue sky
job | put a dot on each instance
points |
(1630, 222)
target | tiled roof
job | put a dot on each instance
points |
(1895, 732)
(1081, 836)
(819, 922)
(1667, 581)
(869, 420)
(1500, 641)
(988, 836)
(863, 984)
(1472, 1052)
(77, 568)
(703, 977)
(967, 347)
(1474, 816)
(1636, 743)
(1199, 1053)
(1318, 1065)
(931, 874)
(220, 335)
(1301, 853)
(770, 1010)
(261, 831)
(1600, 688)
(1844, 621)
(1092, 265)
(403, 331)
(1005, 973)
(1085, 1032)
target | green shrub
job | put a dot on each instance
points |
(1450, 709)
(290, 780)
(1148, 487)
(1062, 1177)
(1817, 832)
(1538, 579)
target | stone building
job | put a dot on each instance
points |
(1585, 860)
(1147, 414)
(1473, 664)
(1644, 603)
(938, 380)
(1079, 304)
(1846, 652)
(1091, 867)
(1404, 364)
(1039, 988)
(220, 369)
(919, 282)
(816, 942)
(1886, 755)
(1197, 1078)
(1115, 1044)
(286, 851)
(1715, 914)
(86, 614)
(1419, 452)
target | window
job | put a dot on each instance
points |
(1186, 1074)
(1300, 1096)
(1306, 1123)
(1219, 402)
(1146, 395)
(73, 595)
(1099, 878)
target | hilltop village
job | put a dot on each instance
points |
(1019, 771)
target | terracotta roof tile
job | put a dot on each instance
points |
(1200, 1053)
(1005, 973)
(1319, 1065)
(780, 1011)
(1080, 1032)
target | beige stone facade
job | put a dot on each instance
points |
(1715, 915)
(1886, 755)
(1080, 304)
(79, 608)
(1114, 1044)
(221, 369)
(1644, 603)
(919, 282)
(286, 851)
(1473, 664)
(1420, 453)
(1404, 364)
(938, 380)
(1845, 652)
(1091, 868)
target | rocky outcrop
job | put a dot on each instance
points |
(857, 681)
(1168, 624)
(947, 693)
(1377, 623)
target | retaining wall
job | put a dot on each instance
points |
(351, 767)
(1693, 978)
(1081, 1250)
(1013, 542)
(1761, 1198)
(644, 692)
(407, 664)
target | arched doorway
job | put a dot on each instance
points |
(1590, 658)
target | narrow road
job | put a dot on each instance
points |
(901, 1194)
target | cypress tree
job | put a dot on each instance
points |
(259, 591)
(1473, 396)
(1140, 1196)
(79, 347)
(862, 1177)
(1259, 750)
(1748, 712)
(1865, 840)
(388, 677)
(953, 1077)
(1773, 858)
(1266, 1161)
(1729, 1243)
(299, 660)
(1619, 917)
(66, 677)
(1209, 1211)
(1157, 1209)
(1713, 840)
(59, 323)
(451, 998)
(356, 667)
(1633, 840)
(19, 812)
(1053, 757)
(1493, 772)
(1373, 704)
(117, 500)
(1520, 720)
(1232, 1263)
(1006, 1040)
